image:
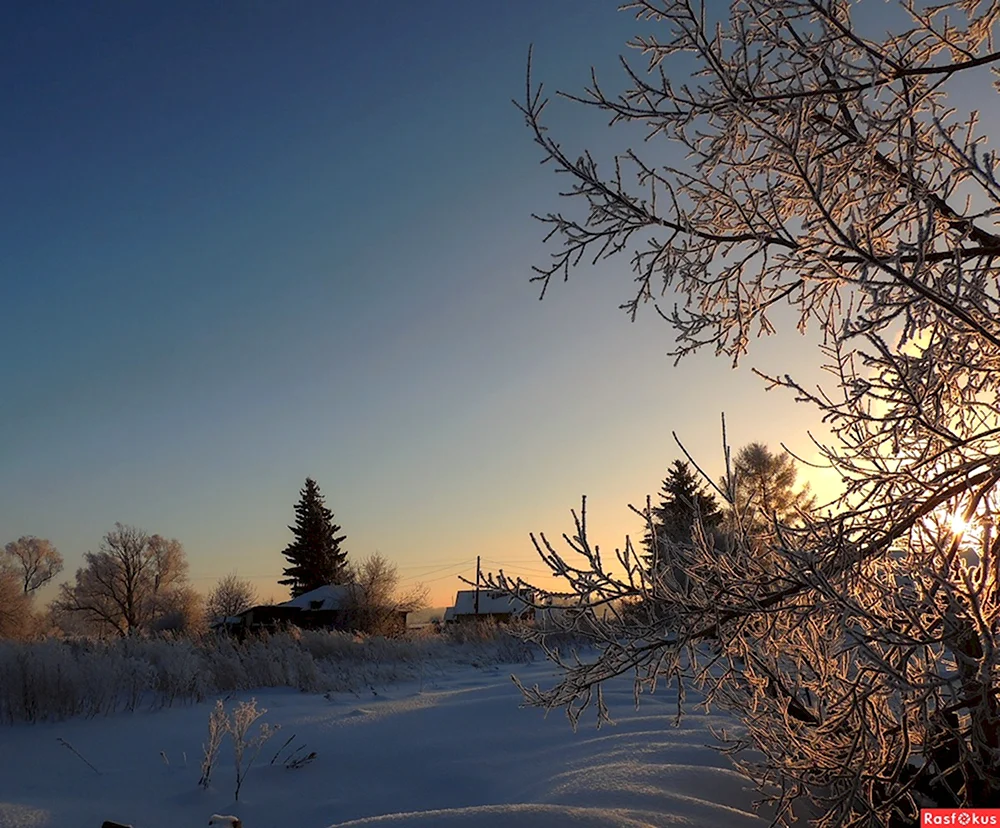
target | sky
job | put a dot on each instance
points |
(245, 244)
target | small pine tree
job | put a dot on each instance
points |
(683, 499)
(315, 557)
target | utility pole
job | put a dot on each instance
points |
(477, 585)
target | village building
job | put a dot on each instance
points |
(329, 607)
(472, 605)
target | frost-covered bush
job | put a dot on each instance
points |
(477, 632)
(178, 671)
(338, 646)
(52, 679)
(488, 642)
(279, 661)
(222, 664)
(30, 676)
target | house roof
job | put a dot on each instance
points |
(491, 602)
(329, 596)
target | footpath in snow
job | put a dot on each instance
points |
(457, 751)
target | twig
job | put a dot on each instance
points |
(276, 755)
(66, 744)
(293, 764)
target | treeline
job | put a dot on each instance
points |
(138, 583)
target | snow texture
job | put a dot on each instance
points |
(453, 751)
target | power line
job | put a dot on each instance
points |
(442, 577)
(535, 560)
(432, 563)
(458, 567)
(535, 565)
(220, 577)
(442, 568)
(526, 569)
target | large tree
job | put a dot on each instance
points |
(34, 560)
(314, 556)
(136, 582)
(683, 499)
(764, 490)
(819, 173)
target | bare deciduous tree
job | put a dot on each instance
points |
(230, 596)
(35, 560)
(826, 173)
(131, 583)
(16, 618)
(378, 599)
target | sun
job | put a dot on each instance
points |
(958, 524)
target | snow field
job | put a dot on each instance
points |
(454, 749)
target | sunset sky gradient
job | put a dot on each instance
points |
(245, 243)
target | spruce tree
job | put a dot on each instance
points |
(683, 499)
(315, 557)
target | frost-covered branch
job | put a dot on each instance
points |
(827, 178)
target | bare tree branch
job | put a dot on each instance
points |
(825, 172)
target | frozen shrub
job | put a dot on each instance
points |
(217, 727)
(52, 680)
(246, 744)
(478, 631)
(328, 645)
(177, 672)
(246, 747)
(221, 662)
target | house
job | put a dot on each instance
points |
(257, 619)
(327, 597)
(329, 607)
(326, 607)
(493, 604)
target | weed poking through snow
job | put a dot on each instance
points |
(217, 726)
(246, 744)
(246, 747)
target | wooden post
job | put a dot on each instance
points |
(477, 584)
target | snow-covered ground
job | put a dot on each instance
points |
(452, 750)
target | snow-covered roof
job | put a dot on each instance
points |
(490, 602)
(327, 597)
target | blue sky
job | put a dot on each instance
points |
(245, 243)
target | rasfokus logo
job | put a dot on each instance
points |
(960, 817)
